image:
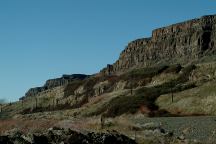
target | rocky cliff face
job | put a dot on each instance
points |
(53, 83)
(179, 43)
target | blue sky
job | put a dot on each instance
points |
(42, 39)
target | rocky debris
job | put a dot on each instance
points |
(52, 83)
(179, 43)
(153, 132)
(151, 126)
(62, 136)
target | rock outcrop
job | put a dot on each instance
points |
(59, 136)
(179, 43)
(52, 83)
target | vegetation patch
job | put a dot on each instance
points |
(144, 72)
(173, 69)
(71, 87)
(147, 96)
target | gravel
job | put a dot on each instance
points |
(201, 128)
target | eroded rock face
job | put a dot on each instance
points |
(52, 83)
(178, 43)
(101, 87)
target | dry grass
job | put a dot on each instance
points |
(25, 126)
(199, 100)
(162, 78)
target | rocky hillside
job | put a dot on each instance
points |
(53, 83)
(169, 62)
(179, 43)
(173, 73)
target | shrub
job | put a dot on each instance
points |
(173, 69)
(185, 73)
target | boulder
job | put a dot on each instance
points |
(63, 136)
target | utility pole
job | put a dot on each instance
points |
(172, 94)
(36, 103)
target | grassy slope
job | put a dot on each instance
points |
(148, 86)
(199, 100)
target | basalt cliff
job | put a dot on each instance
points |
(183, 43)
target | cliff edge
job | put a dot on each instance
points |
(179, 43)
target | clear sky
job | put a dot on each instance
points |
(43, 39)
